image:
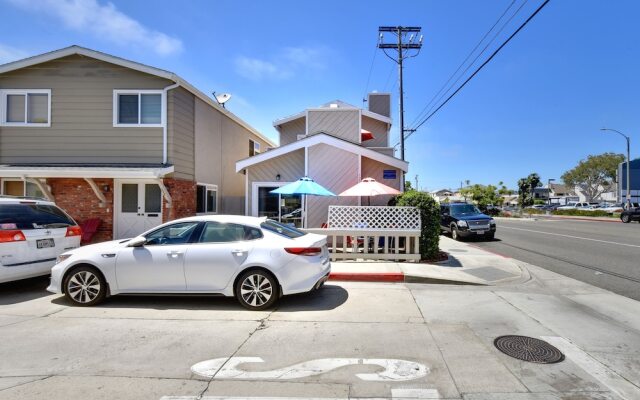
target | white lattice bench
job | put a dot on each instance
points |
(372, 233)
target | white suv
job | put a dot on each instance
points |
(33, 233)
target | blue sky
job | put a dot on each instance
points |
(536, 107)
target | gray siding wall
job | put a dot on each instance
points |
(290, 167)
(374, 169)
(235, 146)
(335, 169)
(344, 124)
(181, 140)
(208, 144)
(289, 131)
(380, 103)
(379, 130)
(81, 115)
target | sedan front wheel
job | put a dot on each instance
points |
(626, 219)
(85, 286)
(257, 290)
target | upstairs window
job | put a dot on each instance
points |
(254, 148)
(138, 108)
(25, 107)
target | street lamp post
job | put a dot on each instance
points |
(628, 161)
(549, 189)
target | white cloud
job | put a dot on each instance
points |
(286, 63)
(103, 21)
(8, 54)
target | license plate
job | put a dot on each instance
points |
(480, 232)
(45, 243)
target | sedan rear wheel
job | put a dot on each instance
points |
(85, 286)
(257, 290)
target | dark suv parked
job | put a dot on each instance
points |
(632, 214)
(465, 220)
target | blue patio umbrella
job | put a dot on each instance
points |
(304, 186)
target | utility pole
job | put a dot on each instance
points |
(399, 46)
(417, 188)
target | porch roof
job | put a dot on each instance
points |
(324, 138)
(86, 171)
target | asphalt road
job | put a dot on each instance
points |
(603, 254)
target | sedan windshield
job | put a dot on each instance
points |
(464, 209)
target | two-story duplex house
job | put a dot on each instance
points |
(337, 145)
(109, 138)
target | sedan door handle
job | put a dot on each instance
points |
(174, 253)
(239, 251)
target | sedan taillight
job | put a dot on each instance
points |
(11, 236)
(74, 231)
(304, 251)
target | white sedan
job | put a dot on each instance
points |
(254, 259)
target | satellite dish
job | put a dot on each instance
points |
(222, 98)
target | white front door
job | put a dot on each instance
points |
(138, 207)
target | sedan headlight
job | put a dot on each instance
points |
(462, 224)
(62, 257)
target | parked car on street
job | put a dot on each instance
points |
(569, 206)
(33, 232)
(254, 259)
(612, 208)
(588, 206)
(463, 220)
(632, 214)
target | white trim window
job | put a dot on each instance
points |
(254, 148)
(18, 187)
(134, 108)
(25, 107)
(206, 199)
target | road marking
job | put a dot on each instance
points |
(404, 394)
(394, 370)
(595, 368)
(570, 236)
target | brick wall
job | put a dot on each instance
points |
(183, 194)
(76, 197)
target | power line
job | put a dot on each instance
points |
(366, 88)
(433, 99)
(481, 66)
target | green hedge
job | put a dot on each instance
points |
(575, 213)
(582, 213)
(430, 215)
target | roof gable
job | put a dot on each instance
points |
(325, 139)
(83, 51)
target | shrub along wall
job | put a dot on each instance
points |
(430, 215)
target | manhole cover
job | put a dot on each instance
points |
(528, 349)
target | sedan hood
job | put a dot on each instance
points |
(98, 247)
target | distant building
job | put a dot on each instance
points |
(634, 166)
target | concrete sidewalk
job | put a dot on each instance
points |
(467, 264)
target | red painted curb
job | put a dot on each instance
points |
(367, 276)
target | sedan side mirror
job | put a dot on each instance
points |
(138, 241)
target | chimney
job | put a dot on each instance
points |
(380, 103)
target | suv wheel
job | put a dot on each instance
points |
(626, 219)
(454, 233)
(257, 290)
(85, 286)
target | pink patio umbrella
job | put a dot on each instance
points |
(369, 187)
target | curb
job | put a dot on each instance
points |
(587, 219)
(367, 276)
(394, 277)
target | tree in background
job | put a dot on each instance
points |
(407, 186)
(594, 175)
(526, 186)
(482, 195)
